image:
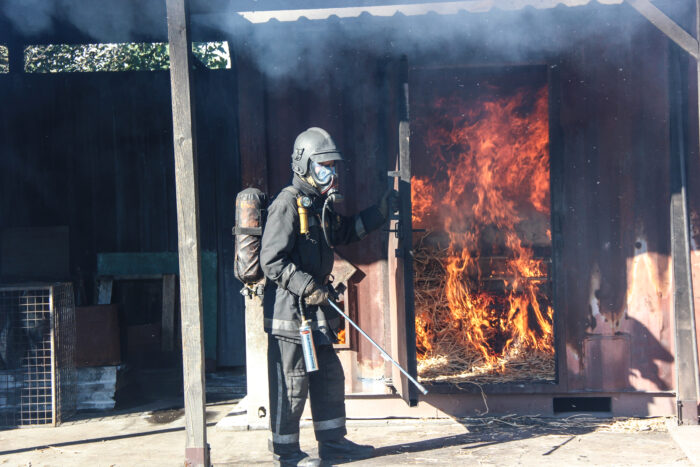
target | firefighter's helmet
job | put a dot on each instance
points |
(314, 145)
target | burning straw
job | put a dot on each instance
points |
(483, 308)
(444, 354)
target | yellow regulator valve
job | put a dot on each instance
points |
(303, 205)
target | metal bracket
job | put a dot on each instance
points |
(687, 412)
(399, 252)
(396, 231)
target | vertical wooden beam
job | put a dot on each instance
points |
(696, 346)
(196, 449)
(16, 57)
(683, 307)
(15, 45)
(400, 260)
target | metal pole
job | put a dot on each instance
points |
(385, 355)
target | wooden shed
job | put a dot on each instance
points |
(615, 228)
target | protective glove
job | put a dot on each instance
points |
(316, 294)
(389, 203)
(335, 292)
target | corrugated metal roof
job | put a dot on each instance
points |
(412, 9)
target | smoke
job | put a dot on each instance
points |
(96, 20)
(305, 50)
(30, 16)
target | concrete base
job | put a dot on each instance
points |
(375, 406)
(139, 439)
(238, 419)
(257, 397)
(687, 438)
(96, 387)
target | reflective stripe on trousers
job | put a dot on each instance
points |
(329, 424)
(290, 385)
(290, 325)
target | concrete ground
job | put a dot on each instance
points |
(157, 439)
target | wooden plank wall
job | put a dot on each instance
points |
(693, 173)
(93, 151)
(616, 253)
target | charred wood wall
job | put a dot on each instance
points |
(616, 287)
(688, 66)
(610, 163)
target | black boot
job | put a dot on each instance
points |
(296, 458)
(343, 448)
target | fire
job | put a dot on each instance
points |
(490, 177)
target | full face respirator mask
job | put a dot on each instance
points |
(325, 178)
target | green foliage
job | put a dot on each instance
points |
(57, 58)
(213, 55)
(4, 60)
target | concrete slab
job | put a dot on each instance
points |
(157, 439)
(239, 420)
(687, 437)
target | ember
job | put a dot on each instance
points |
(482, 289)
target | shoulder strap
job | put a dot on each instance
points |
(292, 190)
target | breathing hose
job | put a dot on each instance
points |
(329, 199)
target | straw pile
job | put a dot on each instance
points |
(574, 423)
(447, 356)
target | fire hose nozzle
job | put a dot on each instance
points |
(383, 352)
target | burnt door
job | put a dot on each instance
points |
(400, 261)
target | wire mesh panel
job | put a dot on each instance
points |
(64, 349)
(37, 336)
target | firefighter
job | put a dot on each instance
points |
(297, 260)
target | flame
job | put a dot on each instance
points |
(341, 336)
(490, 172)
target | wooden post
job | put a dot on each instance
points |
(16, 57)
(683, 309)
(196, 448)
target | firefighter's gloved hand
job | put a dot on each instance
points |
(316, 294)
(334, 293)
(389, 203)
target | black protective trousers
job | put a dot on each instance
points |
(289, 387)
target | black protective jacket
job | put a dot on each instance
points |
(291, 261)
